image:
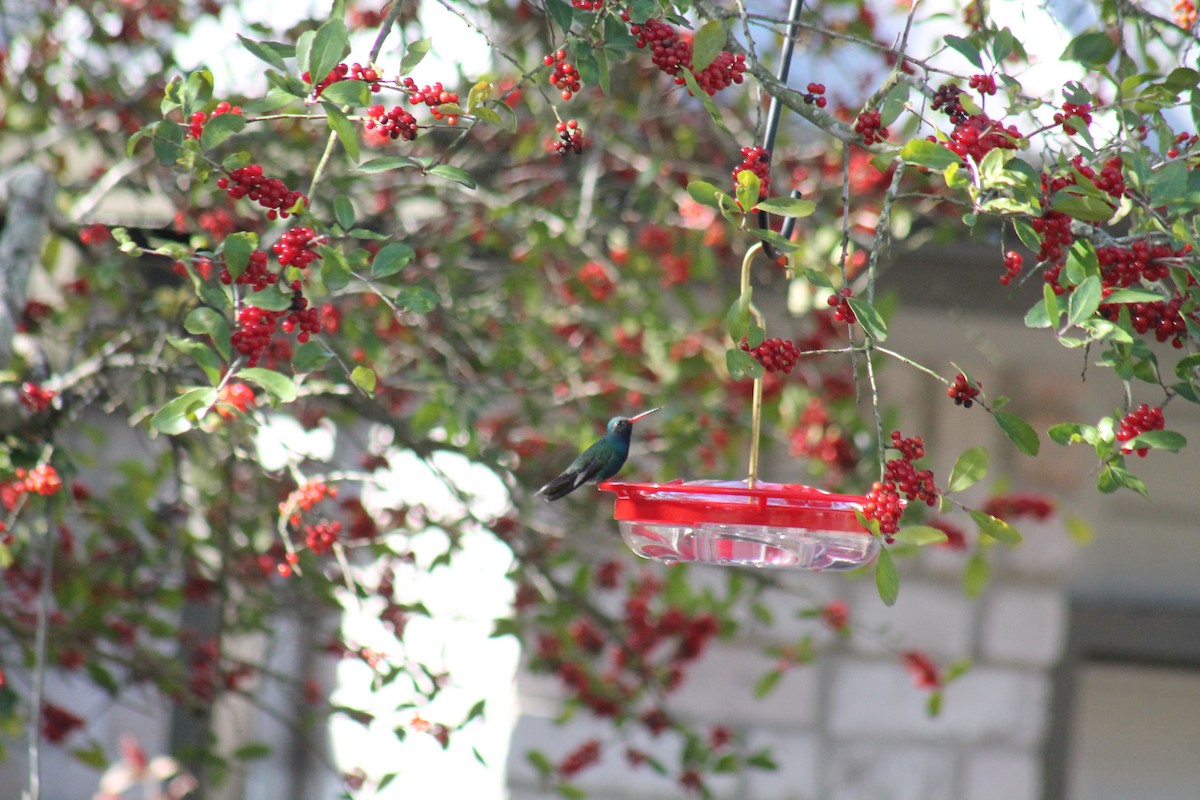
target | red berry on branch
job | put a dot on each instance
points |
(963, 392)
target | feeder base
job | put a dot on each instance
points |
(749, 545)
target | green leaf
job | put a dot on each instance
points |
(413, 54)
(347, 93)
(887, 578)
(168, 136)
(181, 414)
(270, 299)
(218, 129)
(966, 49)
(390, 260)
(694, 89)
(788, 206)
(1019, 432)
(931, 155)
(236, 249)
(869, 318)
(1114, 477)
(329, 47)
(706, 194)
(1073, 433)
(343, 211)
(1133, 296)
(456, 174)
(273, 53)
(1002, 45)
(280, 386)
(310, 356)
(1093, 49)
(737, 319)
(201, 353)
(767, 682)
(742, 365)
(1158, 440)
(1081, 207)
(561, 12)
(364, 378)
(417, 299)
(197, 91)
(996, 528)
(91, 756)
(205, 321)
(252, 751)
(976, 575)
(1084, 300)
(707, 44)
(749, 188)
(969, 469)
(387, 164)
(920, 535)
(346, 131)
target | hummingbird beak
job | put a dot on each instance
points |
(643, 414)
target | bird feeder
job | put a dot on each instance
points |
(734, 523)
(744, 522)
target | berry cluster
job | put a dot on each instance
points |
(1185, 141)
(595, 277)
(581, 757)
(776, 355)
(321, 536)
(396, 124)
(924, 672)
(432, 96)
(842, 312)
(1136, 422)
(233, 399)
(1012, 267)
(58, 723)
(196, 127)
(758, 161)
(256, 275)
(900, 477)
(1015, 505)
(43, 480)
(570, 138)
(301, 315)
(296, 247)
(1126, 266)
(945, 99)
(984, 84)
(869, 125)
(565, 77)
(672, 52)
(978, 135)
(35, 397)
(815, 95)
(1164, 317)
(270, 193)
(1185, 13)
(255, 327)
(1082, 112)
(963, 392)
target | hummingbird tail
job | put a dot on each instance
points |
(561, 486)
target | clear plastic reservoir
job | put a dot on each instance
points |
(730, 523)
(749, 545)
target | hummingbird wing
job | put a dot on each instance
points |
(588, 466)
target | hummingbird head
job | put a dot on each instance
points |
(622, 427)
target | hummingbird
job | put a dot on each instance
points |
(602, 460)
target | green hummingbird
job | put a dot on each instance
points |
(599, 462)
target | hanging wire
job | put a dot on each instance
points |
(773, 113)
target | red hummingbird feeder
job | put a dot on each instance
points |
(744, 522)
(734, 523)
